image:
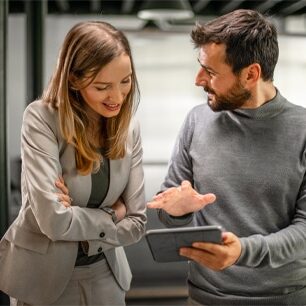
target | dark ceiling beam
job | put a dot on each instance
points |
(294, 7)
(95, 6)
(127, 6)
(63, 5)
(200, 5)
(231, 5)
(266, 5)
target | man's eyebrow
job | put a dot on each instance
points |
(207, 68)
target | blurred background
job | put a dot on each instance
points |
(31, 33)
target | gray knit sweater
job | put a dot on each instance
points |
(254, 161)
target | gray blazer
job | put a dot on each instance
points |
(38, 252)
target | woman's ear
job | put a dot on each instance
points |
(73, 83)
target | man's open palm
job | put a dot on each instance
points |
(179, 201)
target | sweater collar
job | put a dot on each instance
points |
(268, 110)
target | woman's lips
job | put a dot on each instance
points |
(112, 107)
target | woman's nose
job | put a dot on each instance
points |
(116, 95)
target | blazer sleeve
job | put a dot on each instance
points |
(132, 227)
(40, 168)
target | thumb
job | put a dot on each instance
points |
(185, 184)
(207, 198)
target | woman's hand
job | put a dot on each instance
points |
(120, 209)
(63, 197)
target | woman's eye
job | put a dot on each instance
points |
(127, 81)
(101, 88)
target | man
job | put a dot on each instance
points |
(244, 151)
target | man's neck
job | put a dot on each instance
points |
(261, 94)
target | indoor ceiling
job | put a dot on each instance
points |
(131, 7)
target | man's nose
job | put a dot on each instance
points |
(202, 78)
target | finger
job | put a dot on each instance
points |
(196, 254)
(212, 248)
(154, 204)
(63, 197)
(62, 187)
(170, 190)
(206, 198)
(66, 204)
(165, 195)
(228, 237)
(63, 202)
(158, 196)
(201, 257)
(61, 179)
(185, 184)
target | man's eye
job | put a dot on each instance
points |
(209, 72)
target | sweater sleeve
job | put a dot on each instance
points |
(180, 169)
(279, 248)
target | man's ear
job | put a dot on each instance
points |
(252, 74)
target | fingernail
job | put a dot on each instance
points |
(211, 197)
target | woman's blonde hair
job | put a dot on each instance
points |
(87, 48)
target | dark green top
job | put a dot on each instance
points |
(99, 188)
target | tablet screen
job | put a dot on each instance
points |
(165, 243)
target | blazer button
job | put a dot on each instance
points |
(102, 234)
(99, 250)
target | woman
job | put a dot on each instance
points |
(65, 246)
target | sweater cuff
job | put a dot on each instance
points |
(172, 221)
(253, 251)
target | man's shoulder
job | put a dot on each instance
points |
(295, 110)
(200, 110)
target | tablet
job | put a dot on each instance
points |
(164, 244)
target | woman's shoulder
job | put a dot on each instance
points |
(40, 110)
(133, 132)
(40, 106)
(42, 115)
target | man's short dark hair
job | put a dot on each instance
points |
(249, 38)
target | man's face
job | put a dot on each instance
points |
(225, 90)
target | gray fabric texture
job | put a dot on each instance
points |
(253, 160)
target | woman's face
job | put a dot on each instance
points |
(105, 95)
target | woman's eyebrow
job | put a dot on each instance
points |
(107, 83)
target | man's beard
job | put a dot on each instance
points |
(236, 97)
